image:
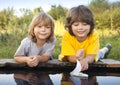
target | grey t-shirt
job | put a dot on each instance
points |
(29, 48)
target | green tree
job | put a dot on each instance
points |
(6, 17)
(37, 10)
(115, 15)
(58, 12)
(99, 6)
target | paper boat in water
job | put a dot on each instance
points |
(77, 71)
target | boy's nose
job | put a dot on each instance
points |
(80, 26)
(43, 28)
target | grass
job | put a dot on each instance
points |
(57, 49)
(115, 42)
(112, 37)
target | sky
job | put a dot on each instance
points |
(45, 4)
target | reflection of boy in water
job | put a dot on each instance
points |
(66, 80)
(72, 80)
(32, 79)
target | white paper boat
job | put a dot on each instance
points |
(77, 71)
(81, 75)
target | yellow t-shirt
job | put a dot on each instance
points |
(70, 45)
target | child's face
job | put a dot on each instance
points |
(42, 32)
(80, 29)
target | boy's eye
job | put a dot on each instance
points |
(48, 27)
(75, 24)
(39, 26)
(84, 23)
(78, 23)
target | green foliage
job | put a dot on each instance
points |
(6, 16)
(99, 6)
(37, 10)
(12, 31)
(58, 12)
(10, 41)
(115, 42)
(106, 14)
(116, 18)
(57, 49)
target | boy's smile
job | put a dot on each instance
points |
(42, 32)
(80, 30)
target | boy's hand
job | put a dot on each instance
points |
(80, 54)
(32, 61)
(84, 64)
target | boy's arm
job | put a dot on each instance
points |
(89, 58)
(20, 59)
(43, 58)
(84, 61)
(32, 60)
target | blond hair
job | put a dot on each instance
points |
(45, 19)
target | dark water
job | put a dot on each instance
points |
(53, 78)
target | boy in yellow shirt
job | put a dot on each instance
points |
(80, 41)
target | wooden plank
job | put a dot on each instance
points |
(111, 63)
(10, 62)
(106, 63)
(50, 64)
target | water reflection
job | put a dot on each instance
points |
(72, 80)
(55, 78)
(38, 78)
(32, 79)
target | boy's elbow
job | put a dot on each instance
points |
(44, 58)
(15, 58)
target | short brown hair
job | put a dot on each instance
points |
(80, 13)
(46, 20)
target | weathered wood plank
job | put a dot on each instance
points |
(10, 62)
(51, 64)
(111, 63)
(97, 68)
(106, 63)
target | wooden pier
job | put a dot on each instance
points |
(105, 65)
